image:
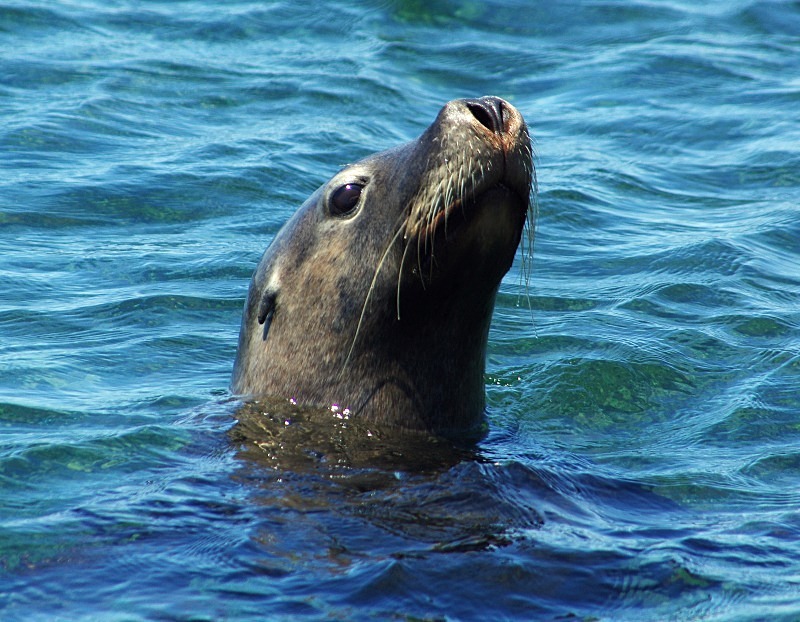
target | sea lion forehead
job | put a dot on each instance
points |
(380, 166)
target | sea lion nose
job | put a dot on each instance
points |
(489, 111)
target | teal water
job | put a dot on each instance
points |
(643, 460)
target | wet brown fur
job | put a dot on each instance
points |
(387, 312)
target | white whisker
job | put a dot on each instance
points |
(400, 230)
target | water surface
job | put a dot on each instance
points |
(642, 461)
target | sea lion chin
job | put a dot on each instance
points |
(377, 295)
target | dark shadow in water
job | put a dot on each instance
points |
(376, 490)
(422, 493)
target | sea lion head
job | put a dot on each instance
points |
(376, 296)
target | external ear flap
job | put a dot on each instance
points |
(266, 309)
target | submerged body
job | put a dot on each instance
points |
(377, 295)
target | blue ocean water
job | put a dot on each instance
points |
(643, 459)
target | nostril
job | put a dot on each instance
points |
(488, 111)
(481, 115)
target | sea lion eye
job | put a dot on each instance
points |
(345, 199)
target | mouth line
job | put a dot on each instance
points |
(447, 222)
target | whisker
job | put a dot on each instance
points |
(529, 232)
(400, 230)
(400, 274)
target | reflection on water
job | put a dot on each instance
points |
(285, 436)
(409, 484)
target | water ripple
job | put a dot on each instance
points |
(642, 457)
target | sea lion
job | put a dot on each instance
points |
(375, 298)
